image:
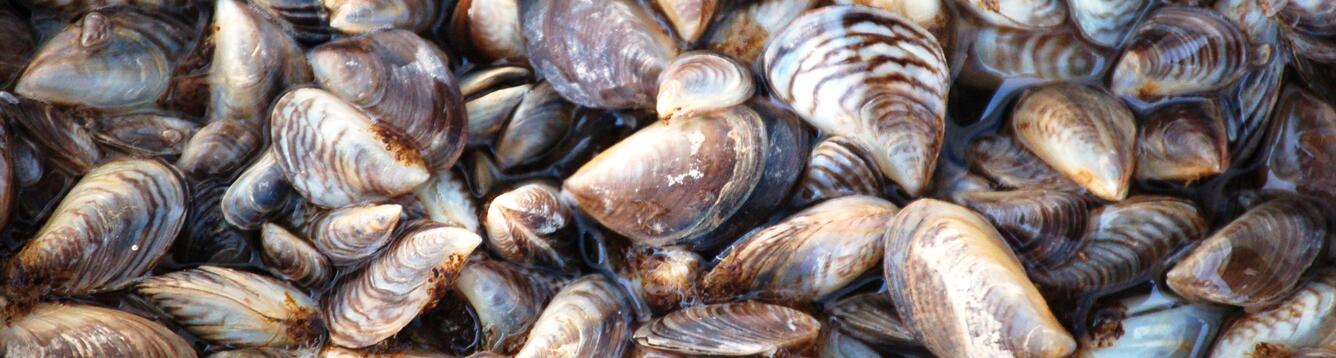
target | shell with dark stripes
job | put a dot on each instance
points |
(868, 75)
(1181, 50)
(806, 256)
(1054, 55)
(293, 258)
(506, 298)
(334, 155)
(1006, 163)
(259, 194)
(404, 84)
(1106, 22)
(1124, 242)
(524, 225)
(837, 168)
(591, 317)
(350, 234)
(871, 318)
(962, 291)
(58, 132)
(109, 230)
(1309, 17)
(231, 307)
(746, 328)
(1082, 132)
(1184, 141)
(1259, 257)
(133, 53)
(307, 21)
(1248, 106)
(74, 330)
(1043, 226)
(381, 298)
(1302, 320)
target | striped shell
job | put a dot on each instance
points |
(524, 226)
(1007, 164)
(56, 131)
(745, 328)
(590, 317)
(378, 300)
(1183, 141)
(146, 133)
(133, 54)
(1018, 14)
(540, 121)
(1043, 226)
(364, 16)
(837, 168)
(889, 95)
(794, 259)
(353, 233)
(1106, 22)
(1309, 17)
(81, 249)
(293, 258)
(1180, 50)
(742, 33)
(226, 306)
(934, 15)
(1303, 145)
(1304, 319)
(871, 318)
(219, 148)
(1258, 258)
(307, 21)
(961, 289)
(207, 237)
(999, 54)
(445, 199)
(73, 330)
(1083, 133)
(334, 155)
(1248, 107)
(702, 82)
(507, 300)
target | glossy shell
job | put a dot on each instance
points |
(1182, 142)
(590, 317)
(1085, 134)
(293, 258)
(730, 329)
(836, 168)
(702, 82)
(1180, 50)
(1304, 319)
(226, 306)
(61, 330)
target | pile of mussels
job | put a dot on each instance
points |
(667, 178)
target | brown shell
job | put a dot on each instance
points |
(539, 123)
(743, 31)
(702, 82)
(836, 168)
(73, 330)
(524, 225)
(1003, 161)
(730, 329)
(1303, 145)
(351, 234)
(1180, 50)
(226, 306)
(999, 54)
(1044, 227)
(1083, 133)
(489, 30)
(57, 131)
(871, 318)
(591, 317)
(666, 278)
(293, 258)
(1304, 319)
(506, 299)
(1182, 142)
(688, 17)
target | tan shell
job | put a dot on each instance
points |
(226, 306)
(489, 29)
(871, 318)
(1304, 319)
(1044, 227)
(506, 299)
(445, 199)
(688, 17)
(363, 16)
(73, 330)
(293, 258)
(351, 234)
(524, 226)
(837, 167)
(1019, 14)
(1180, 50)
(1182, 142)
(1006, 163)
(665, 277)
(591, 317)
(702, 82)
(730, 329)
(539, 122)
(961, 289)
(742, 33)
(1085, 134)
(999, 54)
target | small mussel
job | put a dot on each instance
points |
(1258, 258)
(962, 291)
(1182, 50)
(896, 112)
(1302, 145)
(525, 226)
(351, 234)
(1303, 320)
(702, 81)
(1182, 142)
(445, 199)
(148, 134)
(590, 317)
(1083, 133)
(1151, 326)
(688, 17)
(1020, 14)
(837, 167)
(492, 95)
(1044, 227)
(489, 30)
(363, 16)
(207, 237)
(540, 121)
(259, 194)
(307, 21)
(1007, 164)
(507, 300)
(74, 330)
(665, 278)
(382, 297)
(871, 318)
(83, 250)
(226, 306)
(746, 328)
(293, 258)
(570, 46)
(791, 261)
(743, 31)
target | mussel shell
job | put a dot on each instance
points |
(1124, 242)
(1151, 326)
(1044, 227)
(670, 181)
(1304, 319)
(19, 45)
(72, 330)
(1106, 22)
(591, 317)
(83, 250)
(259, 194)
(702, 81)
(837, 167)
(491, 108)
(144, 133)
(293, 258)
(934, 15)
(1248, 106)
(839, 345)
(1258, 258)
(381, 298)
(539, 122)
(1308, 17)
(253, 62)
(1181, 50)
(226, 306)
(960, 288)
(489, 30)
(404, 84)
(1007, 164)
(689, 18)
(1182, 142)
(1302, 145)
(742, 32)
(1083, 133)
(665, 278)
(57, 131)
(730, 329)
(568, 45)
(507, 300)
(207, 237)
(307, 21)
(791, 260)
(353, 233)
(1252, 18)
(9, 184)
(219, 148)
(29, 162)
(260, 352)
(999, 54)
(897, 111)
(334, 155)
(445, 199)
(133, 53)
(1019, 14)
(525, 225)
(364, 16)
(871, 318)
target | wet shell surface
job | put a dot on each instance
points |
(1258, 258)
(351, 234)
(1182, 142)
(1006, 163)
(688, 17)
(293, 258)
(363, 16)
(590, 317)
(539, 123)
(1019, 14)
(1303, 145)
(568, 46)
(806, 256)
(730, 329)
(1106, 22)
(702, 82)
(445, 199)
(507, 300)
(1181, 50)
(665, 277)
(523, 225)
(307, 21)
(958, 285)
(73, 330)
(55, 130)
(1151, 326)
(144, 133)
(1304, 319)
(871, 318)
(1051, 55)
(1044, 227)
(259, 194)
(1083, 133)
(381, 298)
(890, 96)
(836, 168)
(226, 306)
